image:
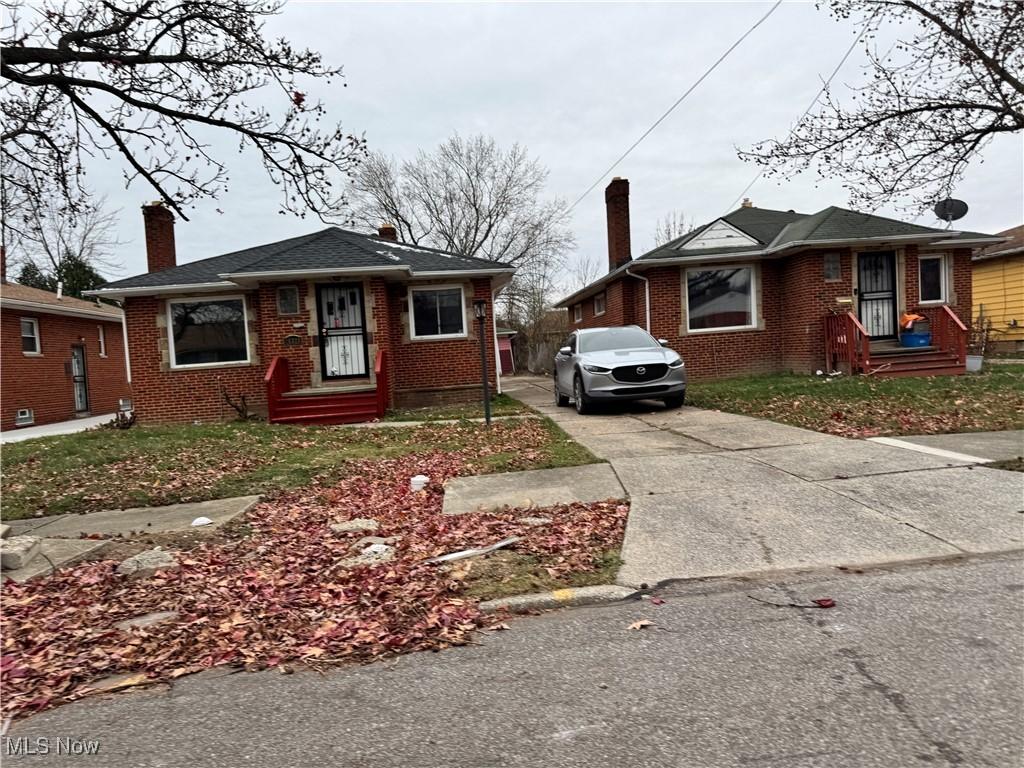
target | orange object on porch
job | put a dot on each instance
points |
(907, 320)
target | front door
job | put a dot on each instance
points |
(342, 330)
(78, 378)
(876, 293)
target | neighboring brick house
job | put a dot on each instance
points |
(998, 274)
(329, 327)
(764, 291)
(61, 357)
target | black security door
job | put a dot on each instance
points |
(876, 293)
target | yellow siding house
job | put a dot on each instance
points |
(998, 289)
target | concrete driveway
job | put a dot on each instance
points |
(718, 494)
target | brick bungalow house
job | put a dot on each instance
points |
(61, 357)
(764, 291)
(329, 327)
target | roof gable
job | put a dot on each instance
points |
(719, 234)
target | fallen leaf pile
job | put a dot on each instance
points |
(282, 595)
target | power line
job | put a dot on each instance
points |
(807, 111)
(678, 101)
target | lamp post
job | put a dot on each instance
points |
(480, 310)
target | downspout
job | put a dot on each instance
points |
(494, 341)
(647, 297)
(124, 332)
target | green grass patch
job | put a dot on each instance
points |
(504, 574)
(501, 405)
(150, 466)
(866, 406)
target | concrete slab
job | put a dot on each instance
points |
(975, 509)
(994, 446)
(753, 433)
(680, 473)
(738, 529)
(691, 417)
(586, 426)
(54, 553)
(538, 487)
(629, 445)
(841, 458)
(175, 517)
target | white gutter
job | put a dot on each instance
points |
(127, 356)
(647, 297)
(156, 290)
(34, 306)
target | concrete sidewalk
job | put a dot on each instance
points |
(990, 446)
(718, 494)
(58, 428)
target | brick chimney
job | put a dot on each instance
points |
(387, 232)
(616, 200)
(159, 223)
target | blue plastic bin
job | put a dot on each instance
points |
(922, 339)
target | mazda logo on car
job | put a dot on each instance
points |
(640, 371)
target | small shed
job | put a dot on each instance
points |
(506, 360)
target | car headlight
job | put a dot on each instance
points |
(597, 369)
(677, 363)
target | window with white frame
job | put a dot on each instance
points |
(207, 331)
(24, 417)
(931, 279)
(577, 313)
(599, 303)
(30, 336)
(288, 300)
(103, 340)
(437, 312)
(720, 299)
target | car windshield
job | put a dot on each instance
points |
(616, 338)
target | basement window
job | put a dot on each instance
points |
(124, 404)
(207, 331)
(30, 336)
(24, 417)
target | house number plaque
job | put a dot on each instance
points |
(292, 341)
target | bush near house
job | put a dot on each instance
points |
(864, 406)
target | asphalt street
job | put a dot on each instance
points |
(916, 665)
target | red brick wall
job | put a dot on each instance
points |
(424, 364)
(165, 395)
(807, 298)
(43, 384)
(274, 329)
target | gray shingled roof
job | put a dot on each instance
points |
(778, 229)
(331, 248)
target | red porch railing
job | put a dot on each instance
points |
(277, 382)
(846, 341)
(380, 371)
(950, 334)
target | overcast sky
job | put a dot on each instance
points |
(576, 84)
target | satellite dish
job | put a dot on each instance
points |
(950, 209)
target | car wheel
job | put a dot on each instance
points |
(579, 396)
(675, 402)
(560, 400)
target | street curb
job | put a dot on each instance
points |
(559, 598)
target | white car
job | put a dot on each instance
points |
(624, 363)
